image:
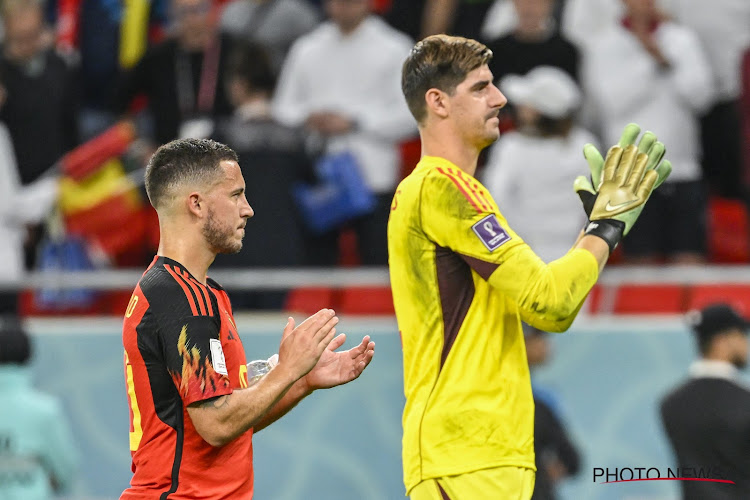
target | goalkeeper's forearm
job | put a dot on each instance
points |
(598, 247)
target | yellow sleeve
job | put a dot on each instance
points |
(458, 213)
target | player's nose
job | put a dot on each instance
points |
(246, 211)
(498, 98)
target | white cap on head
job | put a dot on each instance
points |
(547, 89)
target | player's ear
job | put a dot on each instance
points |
(437, 102)
(196, 204)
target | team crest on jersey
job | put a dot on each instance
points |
(490, 232)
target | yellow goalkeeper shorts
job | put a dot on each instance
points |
(508, 483)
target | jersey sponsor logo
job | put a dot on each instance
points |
(490, 232)
(217, 357)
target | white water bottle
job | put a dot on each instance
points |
(258, 368)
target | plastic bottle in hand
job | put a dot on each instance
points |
(258, 368)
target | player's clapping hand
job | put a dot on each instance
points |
(301, 347)
(336, 368)
(627, 183)
(588, 188)
(621, 184)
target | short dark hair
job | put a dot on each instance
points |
(184, 160)
(714, 320)
(441, 62)
(250, 62)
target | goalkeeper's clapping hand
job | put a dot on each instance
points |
(619, 187)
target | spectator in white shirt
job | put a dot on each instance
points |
(723, 27)
(20, 207)
(342, 81)
(583, 21)
(276, 24)
(652, 71)
(530, 171)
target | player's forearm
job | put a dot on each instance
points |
(293, 396)
(596, 246)
(554, 326)
(549, 293)
(221, 420)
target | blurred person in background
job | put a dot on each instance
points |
(42, 129)
(555, 454)
(745, 113)
(457, 17)
(651, 70)
(528, 170)
(534, 41)
(421, 18)
(193, 410)
(463, 280)
(106, 38)
(502, 18)
(38, 98)
(182, 77)
(707, 417)
(274, 23)
(272, 159)
(723, 27)
(38, 457)
(342, 83)
(407, 16)
(20, 207)
(584, 21)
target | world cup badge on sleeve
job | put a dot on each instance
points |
(490, 232)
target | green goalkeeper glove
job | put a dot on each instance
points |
(587, 188)
(627, 181)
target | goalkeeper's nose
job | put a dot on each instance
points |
(498, 99)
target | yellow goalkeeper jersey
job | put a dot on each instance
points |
(462, 282)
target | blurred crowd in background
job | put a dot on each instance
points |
(308, 93)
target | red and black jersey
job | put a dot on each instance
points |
(181, 346)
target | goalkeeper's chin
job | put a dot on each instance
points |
(494, 124)
(492, 133)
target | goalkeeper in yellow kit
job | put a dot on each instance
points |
(463, 280)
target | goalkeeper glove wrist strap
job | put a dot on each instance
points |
(610, 230)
